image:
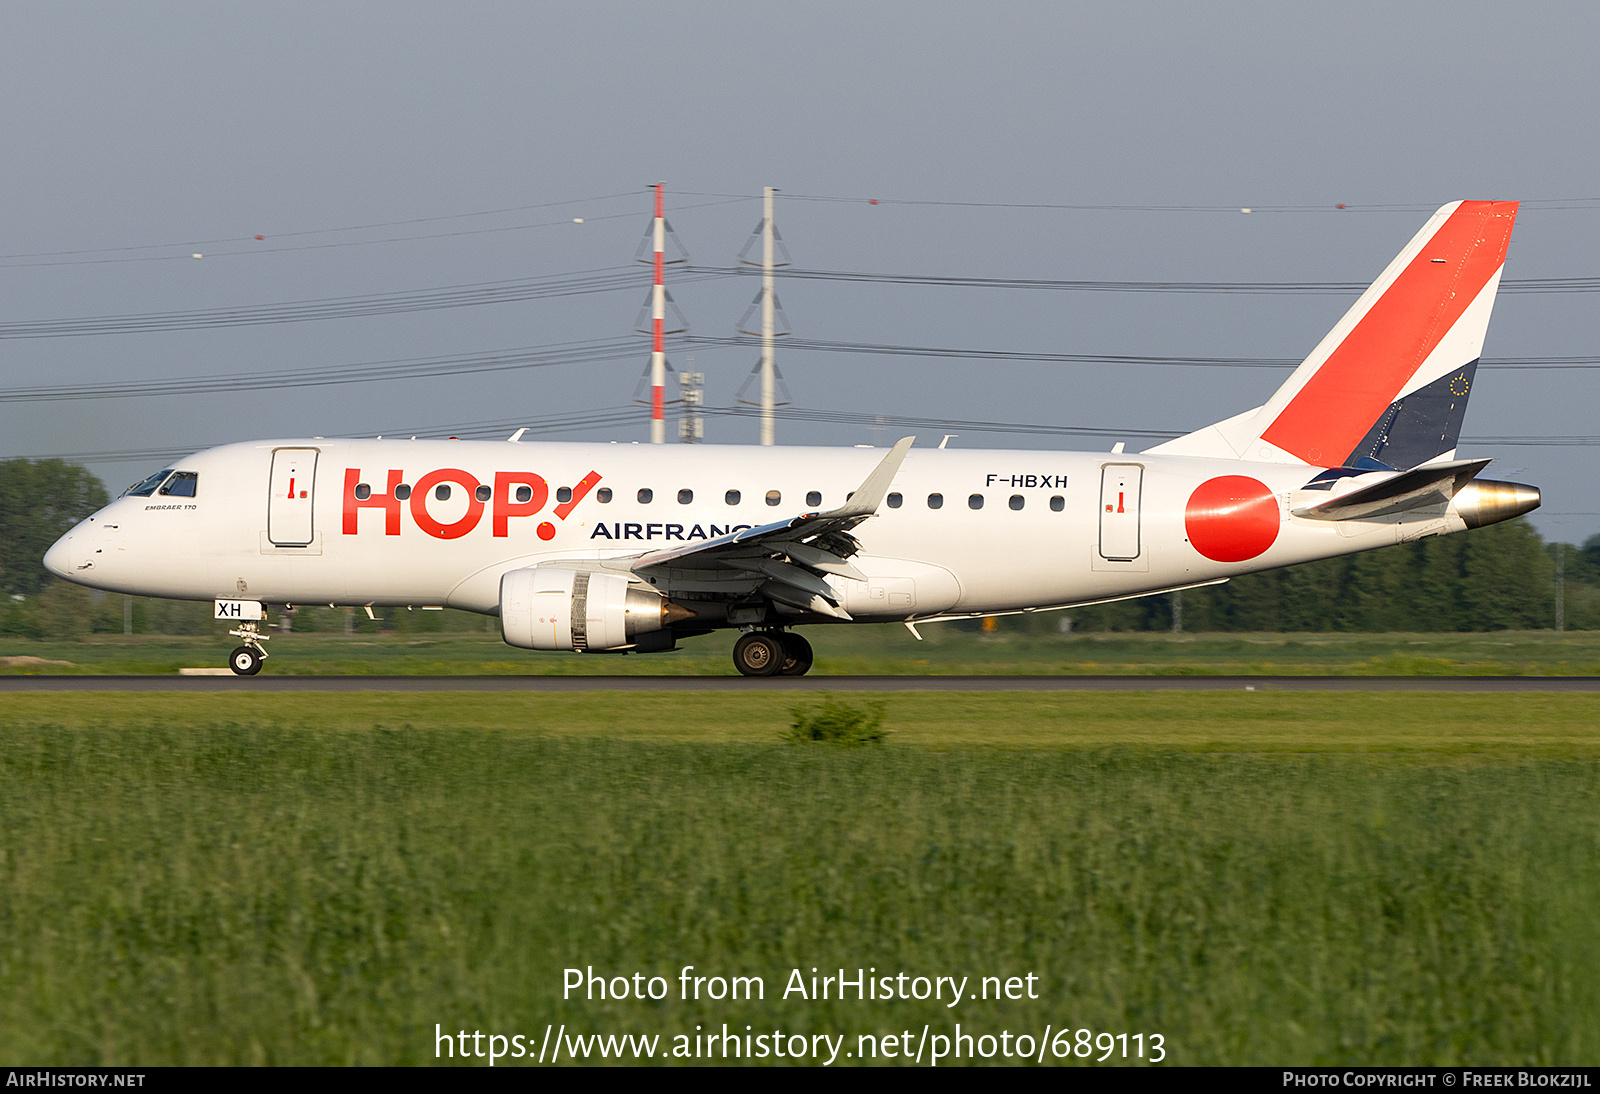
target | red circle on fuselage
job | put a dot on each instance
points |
(1232, 518)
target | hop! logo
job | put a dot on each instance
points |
(511, 494)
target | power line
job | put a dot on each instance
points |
(569, 353)
(320, 231)
(730, 198)
(886, 349)
(1245, 288)
(1235, 209)
(564, 422)
(850, 417)
(609, 279)
(185, 251)
(821, 345)
(595, 351)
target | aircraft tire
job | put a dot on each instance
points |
(244, 661)
(797, 655)
(758, 654)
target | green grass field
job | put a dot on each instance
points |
(1260, 878)
(859, 650)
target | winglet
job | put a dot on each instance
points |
(869, 495)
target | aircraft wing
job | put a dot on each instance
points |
(792, 556)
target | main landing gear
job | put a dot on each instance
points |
(246, 659)
(772, 653)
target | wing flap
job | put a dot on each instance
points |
(788, 595)
(788, 574)
(818, 559)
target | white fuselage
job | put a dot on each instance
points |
(288, 522)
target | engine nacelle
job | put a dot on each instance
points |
(553, 608)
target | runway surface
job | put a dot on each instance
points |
(276, 684)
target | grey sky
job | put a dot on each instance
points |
(162, 123)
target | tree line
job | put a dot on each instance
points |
(1498, 578)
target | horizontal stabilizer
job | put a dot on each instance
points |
(1433, 484)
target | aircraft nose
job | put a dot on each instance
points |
(58, 559)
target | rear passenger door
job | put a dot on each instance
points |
(1120, 486)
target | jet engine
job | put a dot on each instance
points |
(554, 608)
(1485, 501)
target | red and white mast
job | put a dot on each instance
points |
(658, 326)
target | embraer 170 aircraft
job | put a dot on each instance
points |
(605, 548)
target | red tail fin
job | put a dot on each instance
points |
(1415, 334)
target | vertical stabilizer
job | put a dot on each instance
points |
(1390, 382)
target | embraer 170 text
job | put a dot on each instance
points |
(604, 548)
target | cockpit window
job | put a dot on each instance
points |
(148, 486)
(181, 485)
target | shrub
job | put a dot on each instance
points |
(838, 723)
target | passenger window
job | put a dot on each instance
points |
(181, 485)
(814, 497)
(774, 497)
(564, 494)
(1016, 501)
(645, 494)
(363, 491)
(685, 497)
(895, 500)
(1057, 503)
(483, 493)
(402, 492)
(148, 486)
(603, 495)
(975, 501)
(524, 494)
(935, 501)
(731, 497)
(441, 492)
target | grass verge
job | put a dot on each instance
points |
(183, 885)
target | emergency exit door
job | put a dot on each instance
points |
(294, 472)
(1119, 511)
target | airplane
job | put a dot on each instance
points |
(615, 548)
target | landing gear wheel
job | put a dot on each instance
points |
(245, 661)
(758, 654)
(796, 655)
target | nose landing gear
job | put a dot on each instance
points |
(772, 653)
(246, 659)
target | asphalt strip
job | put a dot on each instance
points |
(273, 684)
